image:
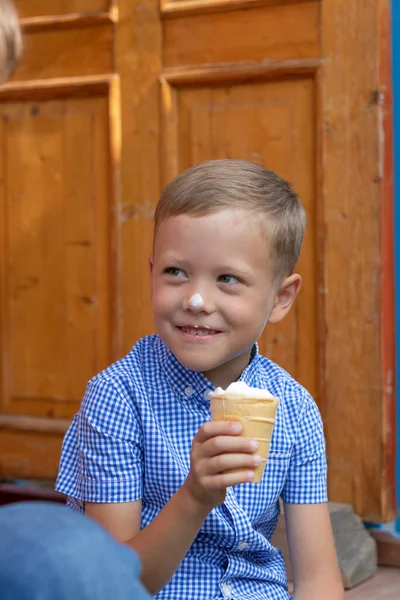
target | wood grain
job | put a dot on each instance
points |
(36, 424)
(174, 8)
(387, 311)
(56, 260)
(66, 53)
(29, 454)
(273, 33)
(139, 64)
(38, 8)
(58, 87)
(354, 405)
(241, 71)
(69, 21)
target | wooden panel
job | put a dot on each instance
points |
(385, 130)
(73, 53)
(244, 71)
(277, 32)
(55, 291)
(354, 407)
(173, 8)
(35, 8)
(271, 123)
(29, 455)
(26, 423)
(138, 56)
(69, 21)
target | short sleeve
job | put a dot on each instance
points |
(306, 481)
(102, 455)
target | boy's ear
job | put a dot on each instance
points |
(285, 297)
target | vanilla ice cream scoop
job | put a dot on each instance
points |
(240, 388)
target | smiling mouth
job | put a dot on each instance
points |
(199, 331)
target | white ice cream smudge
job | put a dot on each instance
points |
(196, 302)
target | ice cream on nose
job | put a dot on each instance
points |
(254, 408)
(196, 302)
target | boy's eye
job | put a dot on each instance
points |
(174, 272)
(229, 279)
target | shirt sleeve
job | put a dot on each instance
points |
(102, 456)
(306, 481)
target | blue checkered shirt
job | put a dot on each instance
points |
(132, 439)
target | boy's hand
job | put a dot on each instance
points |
(219, 458)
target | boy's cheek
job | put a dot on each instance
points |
(240, 310)
(164, 301)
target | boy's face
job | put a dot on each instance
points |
(224, 257)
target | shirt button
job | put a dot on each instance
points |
(206, 394)
(189, 391)
(243, 546)
(226, 589)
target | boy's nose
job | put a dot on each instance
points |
(197, 302)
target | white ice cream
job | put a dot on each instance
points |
(196, 302)
(240, 388)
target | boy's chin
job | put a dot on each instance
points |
(196, 364)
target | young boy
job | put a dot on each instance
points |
(142, 456)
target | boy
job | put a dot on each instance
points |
(142, 456)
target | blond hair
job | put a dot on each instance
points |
(225, 184)
(10, 39)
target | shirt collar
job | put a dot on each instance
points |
(188, 383)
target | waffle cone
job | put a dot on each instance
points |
(257, 416)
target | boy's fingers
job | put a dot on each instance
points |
(225, 444)
(227, 462)
(225, 480)
(211, 429)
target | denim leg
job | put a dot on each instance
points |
(49, 552)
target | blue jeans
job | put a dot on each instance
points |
(49, 552)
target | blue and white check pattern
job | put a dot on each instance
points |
(132, 438)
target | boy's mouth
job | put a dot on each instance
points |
(198, 331)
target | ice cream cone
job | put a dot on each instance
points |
(257, 416)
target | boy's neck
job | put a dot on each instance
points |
(228, 372)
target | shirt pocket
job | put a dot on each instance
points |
(259, 500)
(274, 476)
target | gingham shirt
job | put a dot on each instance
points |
(132, 439)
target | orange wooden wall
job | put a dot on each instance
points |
(114, 98)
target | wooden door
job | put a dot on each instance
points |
(59, 161)
(282, 82)
(304, 88)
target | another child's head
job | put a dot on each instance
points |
(228, 235)
(238, 184)
(10, 39)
